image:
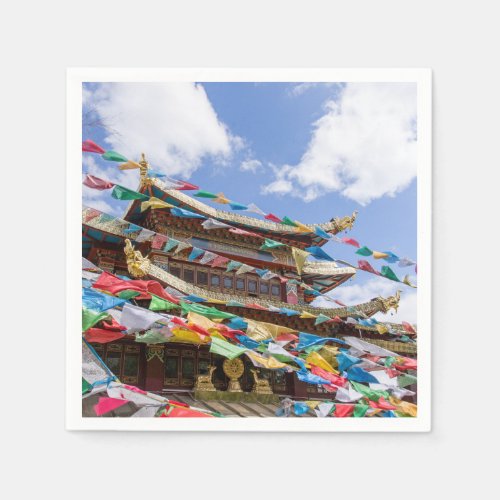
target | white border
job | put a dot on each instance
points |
(75, 78)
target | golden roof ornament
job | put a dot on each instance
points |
(391, 302)
(138, 266)
(346, 222)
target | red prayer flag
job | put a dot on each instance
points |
(334, 379)
(273, 218)
(97, 183)
(114, 285)
(364, 265)
(91, 214)
(186, 186)
(257, 306)
(105, 405)
(185, 413)
(408, 328)
(91, 147)
(288, 337)
(219, 261)
(340, 303)
(343, 411)
(102, 336)
(350, 241)
(382, 404)
(158, 241)
(237, 230)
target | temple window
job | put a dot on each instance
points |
(228, 282)
(189, 275)
(202, 278)
(264, 288)
(275, 290)
(175, 270)
(240, 284)
(214, 280)
(252, 286)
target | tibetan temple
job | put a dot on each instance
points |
(264, 289)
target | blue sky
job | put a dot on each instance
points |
(308, 151)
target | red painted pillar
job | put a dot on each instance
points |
(155, 368)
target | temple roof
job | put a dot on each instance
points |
(321, 276)
(155, 187)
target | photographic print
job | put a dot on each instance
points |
(254, 251)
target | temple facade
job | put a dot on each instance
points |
(176, 367)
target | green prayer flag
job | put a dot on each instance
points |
(406, 380)
(369, 393)
(205, 194)
(123, 193)
(86, 387)
(321, 319)
(114, 156)
(287, 221)
(90, 318)
(208, 312)
(151, 337)
(233, 264)
(389, 361)
(360, 410)
(387, 272)
(170, 244)
(364, 251)
(270, 244)
(128, 294)
(223, 348)
(159, 304)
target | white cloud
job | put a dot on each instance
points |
(250, 165)
(364, 146)
(174, 124)
(356, 294)
(298, 89)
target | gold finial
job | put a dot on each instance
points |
(144, 166)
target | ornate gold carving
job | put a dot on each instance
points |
(261, 385)
(391, 302)
(346, 222)
(137, 264)
(233, 368)
(204, 382)
(155, 352)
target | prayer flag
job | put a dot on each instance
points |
(300, 257)
(180, 212)
(226, 349)
(388, 273)
(91, 147)
(319, 253)
(159, 304)
(322, 233)
(122, 193)
(205, 194)
(97, 183)
(129, 165)
(91, 318)
(195, 253)
(114, 156)
(366, 266)
(105, 405)
(365, 251)
(154, 204)
(379, 255)
(270, 244)
(350, 241)
(273, 218)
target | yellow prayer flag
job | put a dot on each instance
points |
(184, 335)
(300, 257)
(330, 354)
(405, 407)
(307, 315)
(381, 328)
(378, 255)
(301, 228)
(129, 165)
(221, 198)
(259, 331)
(154, 203)
(312, 404)
(316, 359)
(216, 301)
(269, 363)
(406, 281)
